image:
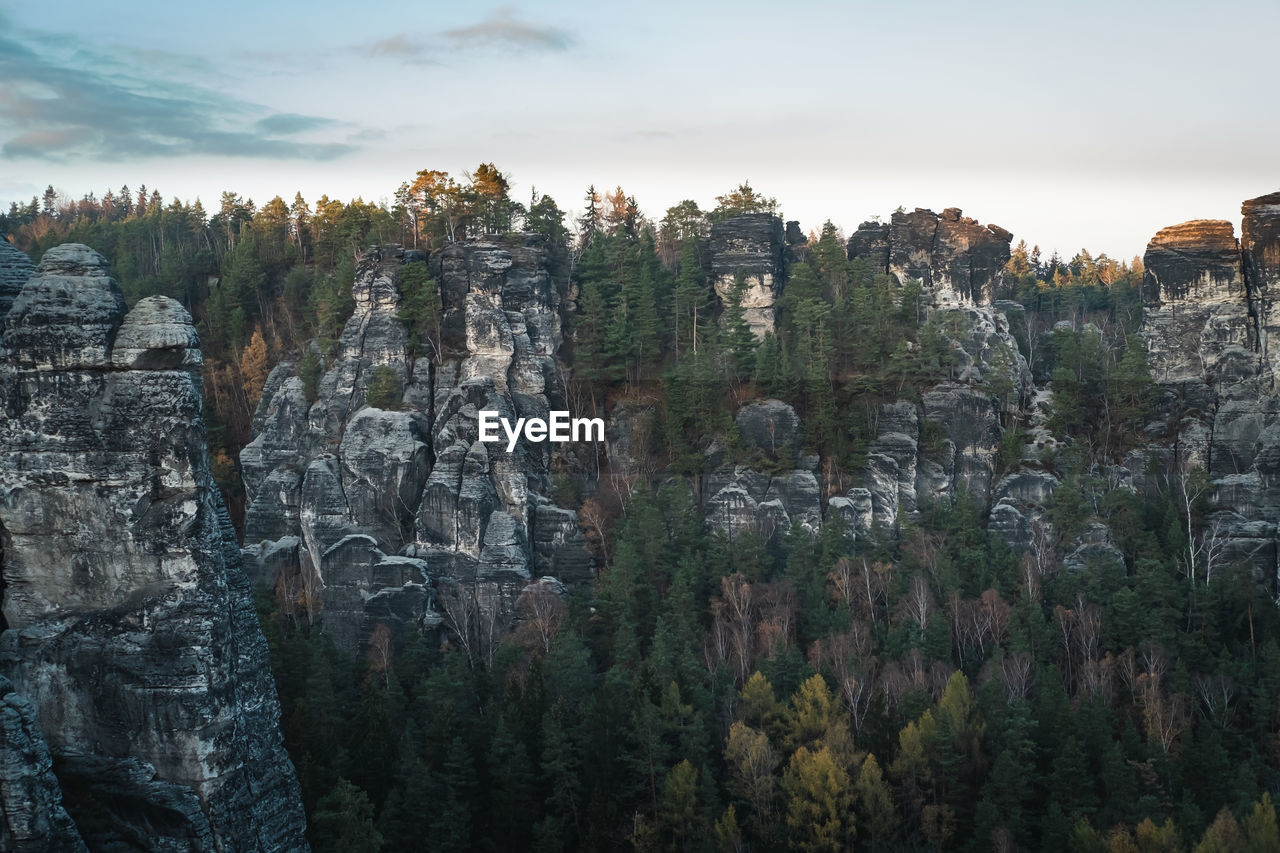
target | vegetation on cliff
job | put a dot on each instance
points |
(933, 689)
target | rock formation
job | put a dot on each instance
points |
(927, 450)
(367, 512)
(871, 243)
(32, 818)
(1207, 321)
(130, 626)
(1195, 309)
(743, 497)
(959, 260)
(1260, 245)
(750, 246)
(15, 269)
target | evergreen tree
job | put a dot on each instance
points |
(343, 822)
(738, 342)
(420, 310)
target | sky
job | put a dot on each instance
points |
(1082, 125)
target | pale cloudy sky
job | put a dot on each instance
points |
(1087, 124)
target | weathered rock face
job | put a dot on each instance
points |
(32, 819)
(871, 242)
(741, 498)
(15, 269)
(1195, 308)
(131, 628)
(959, 260)
(1260, 245)
(1207, 320)
(369, 511)
(750, 246)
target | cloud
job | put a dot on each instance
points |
(408, 50)
(287, 124)
(73, 105)
(504, 29)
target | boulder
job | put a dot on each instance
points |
(771, 427)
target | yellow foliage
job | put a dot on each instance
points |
(819, 801)
(751, 763)
(253, 367)
(1222, 836)
(759, 706)
(875, 799)
(813, 711)
(1150, 838)
(1260, 827)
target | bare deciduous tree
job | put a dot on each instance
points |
(543, 611)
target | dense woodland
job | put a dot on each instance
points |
(933, 691)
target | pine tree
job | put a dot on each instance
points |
(309, 373)
(591, 223)
(384, 389)
(450, 822)
(690, 303)
(420, 310)
(343, 822)
(770, 375)
(738, 342)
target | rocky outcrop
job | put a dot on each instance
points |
(871, 243)
(925, 451)
(1206, 320)
(1195, 308)
(750, 247)
(1260, 245)
(15, 269)
(772, 428)
(368, 511)
(776, 489)
(958, 260)
(131, 627)
(32, 818)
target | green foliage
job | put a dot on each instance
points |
(737, 341)
(343, 822)
(930, 690)
(420, 310)
(384, 388)
(309, 371)
(741, 200)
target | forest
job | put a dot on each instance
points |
(929, 690)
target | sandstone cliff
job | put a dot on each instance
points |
(959, 260)
(373, 514)
(750, 246)
(1207, 320)
(15, 269)
(130, 626)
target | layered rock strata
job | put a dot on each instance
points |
(958, 260)
(130, 626)
(1207, 321)
(750, 247)
(32, 818)
(369, 513)
(15, 269)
